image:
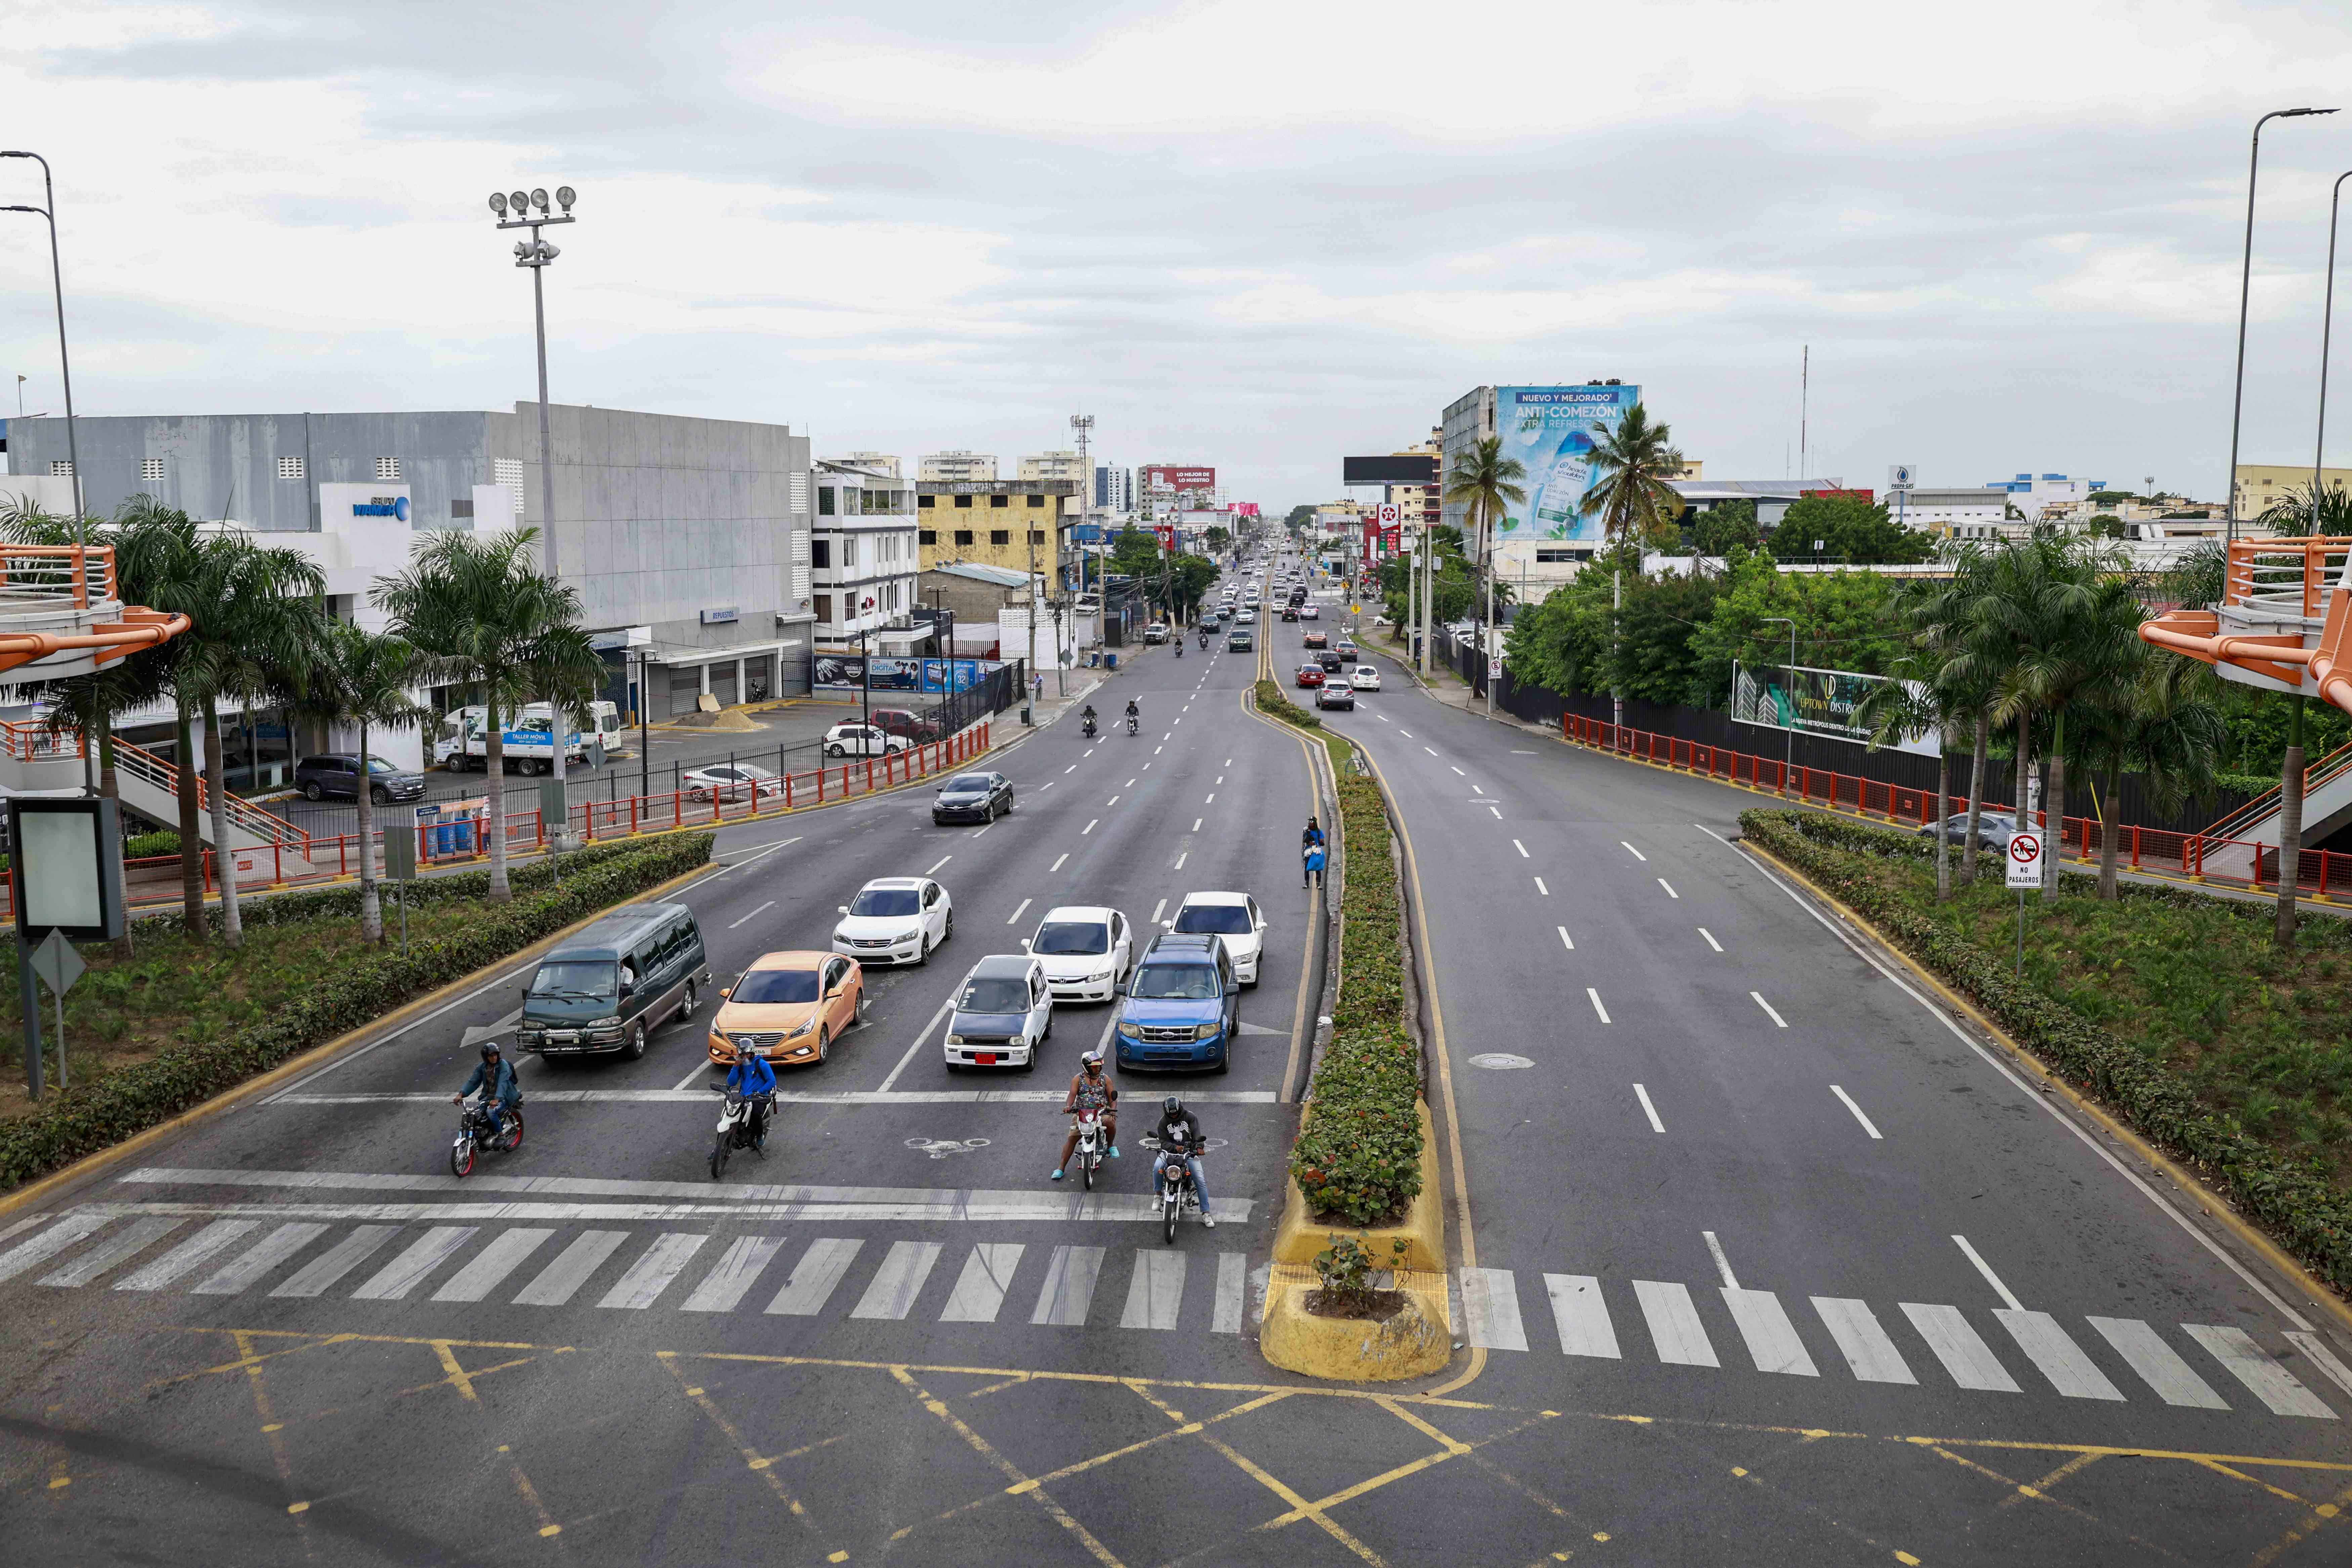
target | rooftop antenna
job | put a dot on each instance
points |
(1804, 408)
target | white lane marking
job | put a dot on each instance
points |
(1233, 1268)
(1381, 717)
(506, 1253)
(1581, 1316)
(1490, 1310)
(1722, 1260)
(836, 1096)
(1710, 938)
(753, 859)
(1990, 1278)
(1155, 921)
(2334, 1371)
(1181, 858)
(1476, 790)
(1406, 733)
(1669, 886)
(1071, 769)
(1497, 811)
(1565, 940)
(1129, 785)
(190, 1255)
(1090, 827)
(1155, 1291)
(979, 1289)
(1221, 778)
(938, 1018)
(1648, 1110)
(1637, 853)
(900, 1279)
(755, 915)
(1868, 1348)
(1057, 865)
(935, 865)
(1196, 824)
(1516, 752)
(1597, 1007)
(1964, 1353)
(313, 1277)
(1858, 1116)
(1212, 800)
(1522, 849)
(2062, 1360)
(1431, 750)
(1229, 761)
(1016, 913)
(2220, 1254)
(2271, 1383)
(693, 1074)
(2159, 1365)
(1457, 772)
(1772, 1341)
(733, 1275)
(1776, 1017)
(1071, 1273)
(22, 1225)
(993, 825)
(1041, 789)
(1541, 889)
(1156, 750)
(247, 1269)
(1112, 802)
(1674, 1324)
(397, 1278)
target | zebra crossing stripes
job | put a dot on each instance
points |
(1962, 1351)
(732, 1277)
(2069, 1371)
(1155, 1293)
(900, 1279)
(814, 1275)
(562, 1280)
(1672, 1319)
(122, 1244)
(650, 1275)
(189, 1256)
(1581, 1316)
(1490, 1310)
(1868, 1348)
(1226, 1316)
(1069, 1287)
(397, 1278)
(2265, 1379)
(2158, 1363)
(314, 1278)
(979, 1293)
(1772, 1341)
(29, 1255)
(485, 1271)
(250, 1267)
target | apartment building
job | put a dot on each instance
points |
(1022, 524)
(958, 468)
(1051, 465)
(865, 558)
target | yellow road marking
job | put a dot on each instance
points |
(980, 1446)
(2327, 1513)
(752, 1460)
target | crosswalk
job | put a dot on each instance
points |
(1670, 1319)
(1063, 1286)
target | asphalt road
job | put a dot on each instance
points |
(286, 1335)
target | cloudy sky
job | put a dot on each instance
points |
(1259, 234)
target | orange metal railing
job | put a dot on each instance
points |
(2291, 580)
(43, 580)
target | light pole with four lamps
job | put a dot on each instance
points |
(57, 284)
(2245, 287)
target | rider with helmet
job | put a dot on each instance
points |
(753, 1076)
(1090, 1091)
(1179, 1136)
(495, 1078)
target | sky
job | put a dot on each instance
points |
(1256, 234)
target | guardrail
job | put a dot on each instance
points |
(55, 577)
(25, 742)
(462, 838)
(2322, 874)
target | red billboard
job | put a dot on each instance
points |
(1842, 495)
(1178, 478)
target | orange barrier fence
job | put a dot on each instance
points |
(297, 861)
(2202, 856)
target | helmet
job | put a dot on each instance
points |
(1092, 1059)
(489, 1049)
(1173, 1105)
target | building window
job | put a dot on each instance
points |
(1000, 501)
(461, 509)
(290, 468)
(1552, 557)
(507, 472)
(60, 469)
(821, 554)
(928, 536)
(825, 608)
(151, 470)
(387, 468)
(963, 536)
(825, 500)
(925, 500)
(963, 500)
(1037, 500)
(1000, 536)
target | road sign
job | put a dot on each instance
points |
(55, 961)
(2025, 860)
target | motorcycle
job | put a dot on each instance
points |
(477, 1129)
(1176, 1193)
(1179, 647)
(1134, 725)
(734, 1128)
(1204, 642)
(1088, 1153)
(1086, 729)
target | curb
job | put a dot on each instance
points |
(1297, 1237)
(2317, 1294)
(318, 1056)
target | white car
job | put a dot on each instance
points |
(1003, 1013)
(864, 741)
(1366, 678)
(1086, 949)
(894, 920)
(1309, 613)
(732, 781)
(1234, 916)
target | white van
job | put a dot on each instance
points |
(525, 740)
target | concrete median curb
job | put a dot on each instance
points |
(1415, 1342)
(1298, 1235)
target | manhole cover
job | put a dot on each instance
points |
(1499, 1061)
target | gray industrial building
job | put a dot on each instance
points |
(693, 531)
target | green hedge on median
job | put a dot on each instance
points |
(1270, 700)
(85, 1121)
(2299, 1205)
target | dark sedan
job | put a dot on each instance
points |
(972, 797)
(337, 775)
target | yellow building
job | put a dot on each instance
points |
(997, 522)
(2261, 484)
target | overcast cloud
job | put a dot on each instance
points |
(1247, 233)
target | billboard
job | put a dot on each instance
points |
(838, 673)
(1176, 477)
(1398, 469)
(1549, 429)
(1820, 702)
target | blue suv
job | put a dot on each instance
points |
(1181, 1007)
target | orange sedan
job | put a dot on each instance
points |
(789, 1007)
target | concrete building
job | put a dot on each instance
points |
(1981, 512)
(882, 463)
(2037, 494)
(1014, 523)
(2262, 484)
(958, 468)
(863, 560)
(695, 529)
(1051, 465)
(1114, 491)
(1772, 498)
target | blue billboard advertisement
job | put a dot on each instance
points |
(1550, 430)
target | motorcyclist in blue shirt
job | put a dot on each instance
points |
(495, 1078)
(753, 1077)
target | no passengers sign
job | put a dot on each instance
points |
(2025, 860)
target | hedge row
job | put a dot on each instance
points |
(87, 1119)
(1270, 700)
(1359, 1153)
(2308, 1215)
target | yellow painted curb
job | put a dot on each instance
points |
(2318, 1292)
(1416, 1342)
(317, 1055)
(1299, 1236)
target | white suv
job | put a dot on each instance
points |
(1234, 916)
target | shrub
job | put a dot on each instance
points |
(85, 1119)
(1271, 700)
(2309, 1217)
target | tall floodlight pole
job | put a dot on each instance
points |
(1789, 755)
(2326, 325)
(517, 211)
(2246, 292)
(48, 210)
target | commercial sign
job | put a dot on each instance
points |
(1551, 430)
(1820, 702)
(1177, 479)
(2024, 860)
(1842, 495)
(1387, 513)
(339, 502)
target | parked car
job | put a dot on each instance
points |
(787, 1007)
(907, 723)
(337, 775)
(1183, 1006)
(972, 797)
(1335, 692)
(1310, 675)
(1157, 632)
(731, 781)
(1315, 640)
(1366, 678)
(894, 920)
(1003, 1014)
(1994, 829)
(606, 988)
(864, 741)
(1085, 950)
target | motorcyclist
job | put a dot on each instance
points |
(495, 1078)
(1090, 1091)
(1088, 715)
(1179, 647)
(1179, 1138)
(751, 1076)
(1134, 714)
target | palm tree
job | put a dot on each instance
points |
(1912, 705)
(1945, 623)
(362, 677)
(478, 610)
(1484, 484)
(2310, 510)
(1630, 466)
(2159, 721)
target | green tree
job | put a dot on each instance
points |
(1724, 530)
(1844, 621)
(2294, 512)
(1940, 620)
(2153, 717)
(1300, 516)
(1632, 463)
(1484, 484)
(363, 678)
(1847, 527)
(1136, 552)
(1913, 705)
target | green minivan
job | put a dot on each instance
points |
(604, 989)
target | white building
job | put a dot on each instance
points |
(2035, 494)
(1050, 466)
(1114, 490)
(1981, 512)
(864, 559)
(959, 468)
(882, 463)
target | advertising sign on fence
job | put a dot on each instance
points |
(1820, 702)
(840, 674)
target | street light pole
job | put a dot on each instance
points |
(2245, 291)
(1788, 692)
(2326, 324)
(48, 210)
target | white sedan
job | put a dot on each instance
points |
(1233, 917)
(894, 920)
(731, 781)
(1366, 678)
(864, 741)
(1085, 950)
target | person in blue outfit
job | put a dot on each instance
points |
(753, 1076)
(496, 1079)
(1312, 847)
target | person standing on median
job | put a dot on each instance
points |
(1312, 846)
